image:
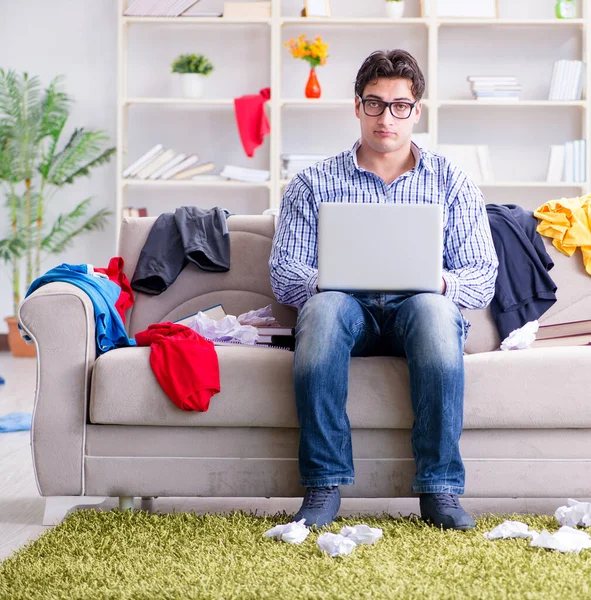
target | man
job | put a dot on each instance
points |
(428, 329)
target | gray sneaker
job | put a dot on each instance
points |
(320, 506)
(444, 510)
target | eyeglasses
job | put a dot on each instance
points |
(398, 109)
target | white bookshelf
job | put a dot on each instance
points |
(284, 109)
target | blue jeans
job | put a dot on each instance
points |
(425, 328)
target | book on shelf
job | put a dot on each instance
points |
(247, 10)
(571, 328)
(555, 164)
(474, 160)
(244, 174)
(291, 164)
(130, 211)
(568, 162)
(202, 14)
(158, 8)
(574, 167)
(155, 164)
(567, 79)
(215, 312)
(196, 171)
(173, 162)
(197, 11)
(494, 88)
(185, 164)
(570, 340)
(143, 160)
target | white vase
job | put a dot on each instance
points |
(192, 85)
(394, 10)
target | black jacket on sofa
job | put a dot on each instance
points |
(524, 291)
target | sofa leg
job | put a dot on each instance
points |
(126, 502)
(147, 503)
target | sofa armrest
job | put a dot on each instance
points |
(59, 317)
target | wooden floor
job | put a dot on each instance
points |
(21, 507)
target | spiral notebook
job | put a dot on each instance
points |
(258, 345)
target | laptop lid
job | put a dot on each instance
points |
(369, 247)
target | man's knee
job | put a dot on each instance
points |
(435, 307)
(324, 307)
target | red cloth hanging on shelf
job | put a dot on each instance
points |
(252, 121)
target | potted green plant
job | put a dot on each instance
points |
(394, 8)
(32, 170)
(192, 68)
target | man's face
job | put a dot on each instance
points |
(386, 133)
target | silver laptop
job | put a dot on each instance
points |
(380, 247)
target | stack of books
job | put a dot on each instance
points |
(244, 174)
(158, 8)
(567, 80)
(568, 162)
(279, 336)
(574, 333)
(494, 88)
(159, 163)
(292, 164)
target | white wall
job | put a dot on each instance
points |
(78, 39)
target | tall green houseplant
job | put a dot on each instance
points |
(33, 169)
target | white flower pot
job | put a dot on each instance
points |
(394, 10)
(192, 85)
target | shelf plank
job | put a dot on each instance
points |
(311, 102)
(511, 22)
(193, 101)
(353, 21)
(542, 103)
(203, 181)
(193, 21)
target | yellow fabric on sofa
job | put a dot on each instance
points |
(568, 222)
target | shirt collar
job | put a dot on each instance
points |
(421, 158)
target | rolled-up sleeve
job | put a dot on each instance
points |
(294, 257)
(470, 259)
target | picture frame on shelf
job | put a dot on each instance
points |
(316, 8)
(468, 9)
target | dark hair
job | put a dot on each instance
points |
(391, 64)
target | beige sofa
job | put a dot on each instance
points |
(105, 428)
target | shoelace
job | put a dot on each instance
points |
(317, 496)
(447, 501)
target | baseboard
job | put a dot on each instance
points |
(3, 342)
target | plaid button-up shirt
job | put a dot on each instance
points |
(469, 258)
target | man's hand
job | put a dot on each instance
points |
(443, 286)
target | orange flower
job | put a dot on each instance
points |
(314, 52)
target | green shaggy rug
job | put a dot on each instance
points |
(124, 555)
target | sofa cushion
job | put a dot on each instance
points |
(538, 388)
